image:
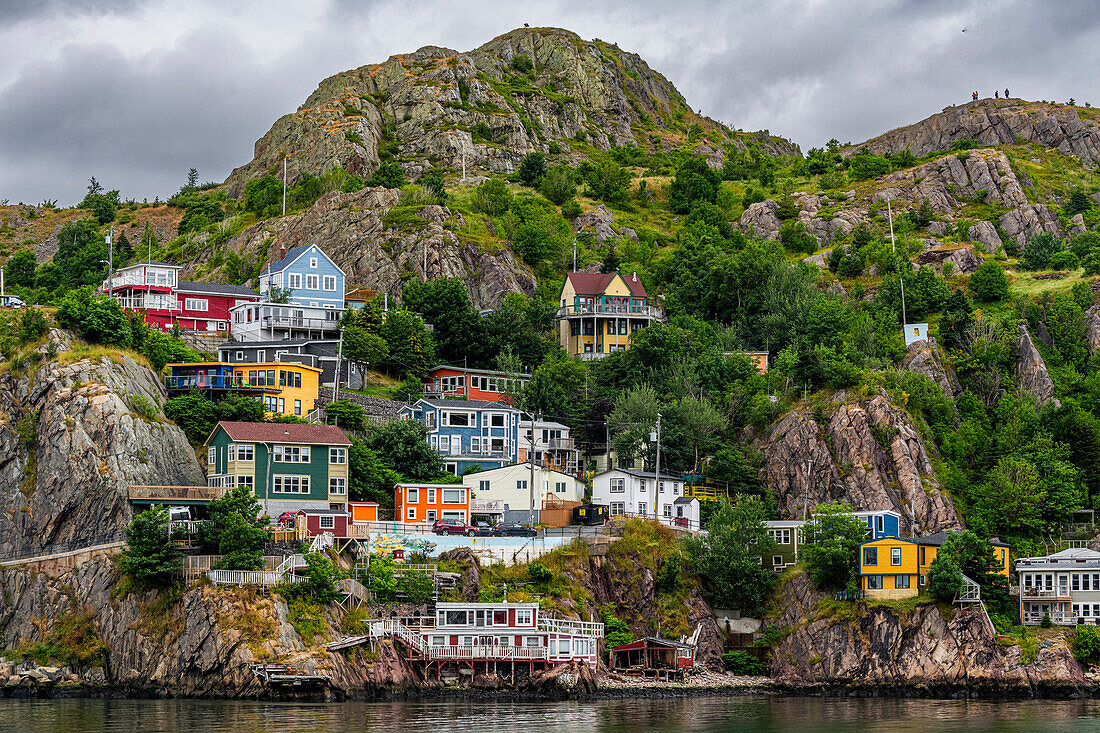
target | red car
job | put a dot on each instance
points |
(454, 526)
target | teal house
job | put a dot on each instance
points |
(288, 467)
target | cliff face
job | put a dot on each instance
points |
(867, 454)
(431, 100)
(926, 649)
(995, 122)
(73, 438)
(382, 252)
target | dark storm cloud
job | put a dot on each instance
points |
(86, 90)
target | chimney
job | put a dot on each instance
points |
(282, 251)
(634, 276)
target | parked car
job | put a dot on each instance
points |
(454, 526)
(179, 513)
(11, 301)
(513, 529)
(287, 518)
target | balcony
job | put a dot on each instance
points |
(1044, 594)
(284, 322)
(175, 493)
(560, 444)
(1062, 618)
(218, 382)
(610, 309)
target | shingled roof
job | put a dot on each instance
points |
(268, 432)
(585, 283)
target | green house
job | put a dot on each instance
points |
(305, 466)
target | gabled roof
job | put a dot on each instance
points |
(291, 256)
(587, 283)
(152, 263)
(480, 474)
(270, 432)
(639, 474)
(937, 539)
(239, 291)
(471, 404)
(685, 500)
(652, 641)
(890, 539)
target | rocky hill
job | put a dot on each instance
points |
(527, 90)
(1069, 130)
(75, 433)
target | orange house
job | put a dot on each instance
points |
(363, 511)
(429, 502)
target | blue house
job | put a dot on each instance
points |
(468, 433)
(881, 523)
(312, 277)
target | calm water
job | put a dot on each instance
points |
(804, 715)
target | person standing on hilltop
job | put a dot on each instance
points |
(974, 96)
(1006, 92)
(996, 94)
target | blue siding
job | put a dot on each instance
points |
(890, 526)
(478, 443)
(307, 263)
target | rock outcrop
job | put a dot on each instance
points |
(994, 122)
(1031, 371)
(73, 438)
(1025, 222)
(868, 455)
(963, 261)
(923, 357)
(922, 651)
(381, 250)
(1092, 329)
(431, 101)
(952, 179)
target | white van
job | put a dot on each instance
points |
(179, 514)
(11, 301)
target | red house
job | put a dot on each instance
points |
(449, 382)
(319, 521)
(154, 289)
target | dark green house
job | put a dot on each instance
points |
(305, 466)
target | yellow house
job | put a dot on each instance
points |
(888, 568)
(599, 313)
(285, 388)
(930, 547)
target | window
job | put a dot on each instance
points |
(451, 468)
(618, 485)
(313, 263)
(475, 444)
(523, 617)
(874, 582)
(311, 282)
(297, 407)
(496, 420)
(431, 496)
(246, 480)
(559, 487)
(454, 496)
(411, 514)
(431, 515)
(642, 508)
(282, 409)
(212, 455)
(895, 556)
(532, 641)
(923, 579)
(641, 486)
(337, 455)
(878, 524)
(412, 495)
(245, 452)
(240, 356)
(675, 489)
(660, 487)
(901, 581)
(616, 508)
(777, 559)
(563, 646)
(290, 484)
(457, 419)
(330, 282)
(521, 484)
(328, 521)
(870, 556)
(483, 485)
(337, 486)
(292, 454)
(439, 641)
(294, 281)
(668, 511)
(232, 456)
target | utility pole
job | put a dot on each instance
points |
(809, 485)
(339, 357)
(464, 166)
(284, 185)
(574, 253)
(657, 469)
(425, 259)
(110, 260)
(894, 250)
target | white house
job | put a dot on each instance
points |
(630, 492)
(505, 492)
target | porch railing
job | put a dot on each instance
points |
(568, 626)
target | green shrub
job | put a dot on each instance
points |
(1086, 644)
(989, 284)
(521, 62)
(558, 185)
(616, 631)
(531, 169)
(1063, 261)
(539, 573)
(742, 663)
(492, 197)
(571, 209)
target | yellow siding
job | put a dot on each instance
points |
(617, 286)
(928, 554)
(306, 394)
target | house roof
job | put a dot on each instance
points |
(149, 262)
(478, 474)
(652, 641)
(586, 283)
(937, 539)
(241, 291)
(475, 404)
(640, 474)
(685, 500)
(291, 255)
(311, 511)
(890, 539)
(270, 432)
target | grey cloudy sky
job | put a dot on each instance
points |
(135, 92)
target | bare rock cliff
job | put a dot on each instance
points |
(73, 438)
(926, 649)
(1031, 371)
(381, 251)
(867, 454)
(924, 357)
(995, 122)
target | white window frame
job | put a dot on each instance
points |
(313, 262)
(244, 479)
(329, 282)
(338, 485)
(197, 304)
(337, 455)
(412, 495)
(327, 521)
(521, 484)
(294, 281)
(246, 452)
(211, 456)
(460, 493)
(618, 486)
(231, 452)
(525, 617)
(312, 282)
(411, 513)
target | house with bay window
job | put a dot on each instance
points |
(1064, 586)
(310, 275)
(468, 433)
(600, 313)
(636, 493)
(288, 467)
(283, 388)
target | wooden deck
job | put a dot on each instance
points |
(175, 493)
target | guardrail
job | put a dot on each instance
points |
(66, 548)
(176, 493)
(487, 652)
(569, 626)
(218, 382)
(242, 578)
(608, 309)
